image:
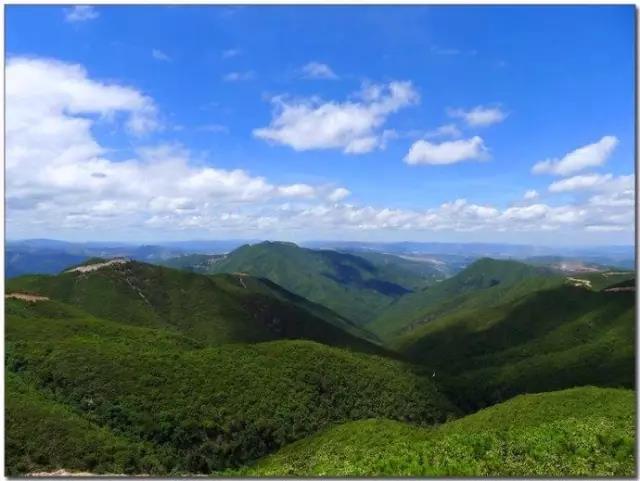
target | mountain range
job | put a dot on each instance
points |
(280, 360)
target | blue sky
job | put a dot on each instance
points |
(385, 123)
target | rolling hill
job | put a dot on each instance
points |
(125, 399)
(553, 338)
(352, 286)
(489, 275)
(215, 309)
(577, 432)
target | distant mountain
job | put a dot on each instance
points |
(213, 309)
(591, 263)
(423, 272)
(352, 286)
(44, 256)
(421, 306)
(585, 430)
(481, 249)
(17, 263)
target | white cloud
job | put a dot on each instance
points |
(297, 190)
(51, 99)
(81, 13)
(605, 228)
(230, 53)
(338, 194)
(57, 170)
(593, 182)
(579, 182)
(451, 152)
(592, 155)
(531, 194)
(60, 179)
(458, 216)
(160, 55)
(238, 76)
(316, 70)
(352, 126)
(479, 116)
(448, 130)
(625, 198)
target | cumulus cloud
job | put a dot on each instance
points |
(531, 194)
(451, 152)
(479, 116)
(316, 70)
(339, 194)
(57, 170)
(81, 13)
(160, 55)
(605, 182)
(352, 126)
(48, 102)
(592, 155)
(447, 130)
(579, 182)
(297, 190)
(459, 216)
(60, 178)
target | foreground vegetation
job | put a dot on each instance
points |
(190, 408)
(578, 432)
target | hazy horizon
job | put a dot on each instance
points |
(319, 240)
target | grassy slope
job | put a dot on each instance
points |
(551, 339)
(200, 408)
(491, 275)
(214, 309)
(347, 284)
(578, 432)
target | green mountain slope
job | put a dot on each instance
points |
(578, 432)
(198, 408)
(200, 263)
(410, 273)
(349, 285)
(44, 435)
(550, 339)
(421, 306)
(215, 309)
